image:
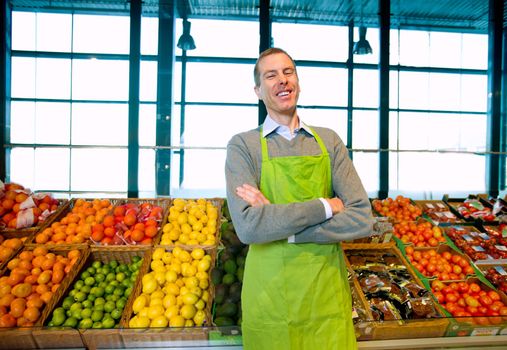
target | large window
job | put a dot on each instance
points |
(70, 103)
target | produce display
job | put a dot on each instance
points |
(389, 287)
(477, 245)
(497, 275)
(400, 209)
(191, 222)
(8, 247)
(437, 211)
(175, 293)
(31, 280)
(130, 223)
(20, 208)
(419, 233)
(470, 298)
(447, 265)
(474, 208)
(98, 297)
(227, 276)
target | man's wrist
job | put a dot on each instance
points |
(327, 207)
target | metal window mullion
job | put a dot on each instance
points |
(350, 88)
(384, 19)
(5, 82)
(133, 118)
(264, 44)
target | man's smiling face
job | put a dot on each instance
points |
(279, 84)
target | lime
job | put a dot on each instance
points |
(106, 269)
(97, 291)
(229, 278)
(102, 284)
(67, 302)
(70, 322)
(116, 314)
(59, 310)
(109, 306)
(113, 264)
(119, 291)
(91, 270)
(110, 276)
(86, 313)
(99, 307)
(109, 297)
(91, 297)
(85, 323)
(75, 306)
(58, 319)
(99, 301)
(114, 282)
(84, 275)
(76, 314)
(68, 313)
(51, 324)
(126, 283)
(97, 315)
(100, 277)
(136, 259)
(79, 284)
(127, 292)
(108, 322)
(123, 268)
(86, 289)
(97, 265)
(97, 324)
(89, 281)
(109, 289)
(80, 296)
(87, 304)
(120, 303)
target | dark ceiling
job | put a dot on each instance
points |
(451, 15)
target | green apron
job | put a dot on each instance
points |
(296, 296)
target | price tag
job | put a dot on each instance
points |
(387, 237)
(504, 232)
(484, 331)
(501, 270)
(468, 238)
(501, 247)
(429, 205)
(484, 236)
(478, 248)
(441, 205)
(449, 214)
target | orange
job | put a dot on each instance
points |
(41, 238)
(31, 314)
(130, 219)
(73, 254)
(46, 296)
(108, 221)
(39, 251)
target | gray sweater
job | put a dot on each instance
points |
(307, 220)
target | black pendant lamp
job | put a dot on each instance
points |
(186, 42)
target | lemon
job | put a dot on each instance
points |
(172, 311)
(201, 275)
(188, 311)
(198, 226)
(150, 286)
(160, 277)
(189, 271)
(204, 219)
(189, 299)
(169, 300)
(176, 321)
(184, 290)
(157, 265)
(179, 300)
(157, 294)
(167, 227)
(173, 216)
(165, 240)
(191, 282)
(179, 282)
(143, 312)
(196, 290)
(192, 242)
(185, 256)
(203, 265)
(191, 219)
(186, 229)
(201, 237)
(176, 252)
(200, 304)
(182, 218)
(170, 276)
(167, 257)
(195, 263)
(203, 284)
(198, 253)
(159, 321)
(179, 203)
(148, 277)
(199, 318)
(155, 311)
(172, 288)
(193, 235)
(133, 323)
(140, 302)
(157, 254)
(174, 234)
(199, 214)
(156, 301)
(183, 239)
(205, 296)
(143, 322)
(175, 267)
(189, 323)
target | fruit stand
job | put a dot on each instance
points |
(164, 273)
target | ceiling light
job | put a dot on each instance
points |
(186, 42)
(362, 47)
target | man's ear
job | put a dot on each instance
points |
(257, 90)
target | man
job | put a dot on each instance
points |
(293, 195)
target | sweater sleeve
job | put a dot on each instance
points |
(269, 222)
(356, 220)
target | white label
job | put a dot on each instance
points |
(449, 214)
(25, 218)
(387, 237)
(483, 236)
(484, 331)
(478, 248)
(501, 270)
(440, 205)
(501, 247)
(429, 205)
(468, 238)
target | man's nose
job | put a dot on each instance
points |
(282, 79)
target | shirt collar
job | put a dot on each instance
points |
(270, 125)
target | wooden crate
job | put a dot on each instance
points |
(398, 329)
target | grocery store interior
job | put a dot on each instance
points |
(129, 104)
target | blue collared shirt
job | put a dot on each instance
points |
(270, 126)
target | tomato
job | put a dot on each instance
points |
(481, 320)
(471, 301)
(440, 297)
(494, 295)
(503, 311)
(461, 302)
(437, 285)
(473, 310)
(485, 300)
(494, 307)
(475, 288)
(463, 287)
(482, 310)
(447, 290)
(451, 298)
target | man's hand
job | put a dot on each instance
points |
(252, 195)
(336, 205)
